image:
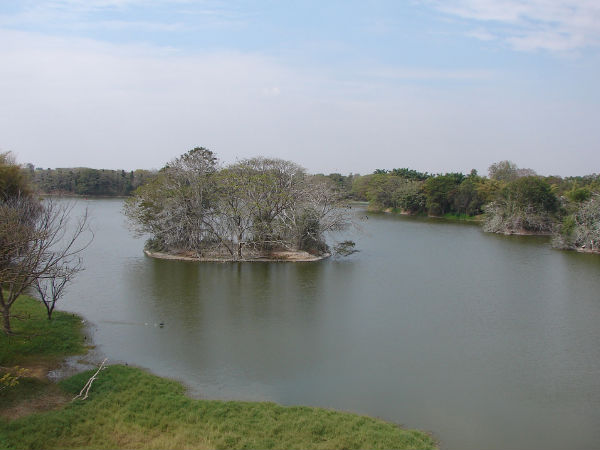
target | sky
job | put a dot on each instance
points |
(336, 86)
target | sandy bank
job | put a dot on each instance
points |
(276, 256)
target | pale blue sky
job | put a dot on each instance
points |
(345, 86)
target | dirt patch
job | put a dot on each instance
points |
(49, 398)
(38, 371)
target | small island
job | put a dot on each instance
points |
(257, 209)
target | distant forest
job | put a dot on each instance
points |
(87, 182)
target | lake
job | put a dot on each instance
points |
(487, 341)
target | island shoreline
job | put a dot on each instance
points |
(287, 256)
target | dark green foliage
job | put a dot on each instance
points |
(530, 191)
(467, 199)
(343, 183)
(380, 190)
(410, 174)
(92, 182)
(575, 188)
(440, 192)
(13, 181)
(514, 200)
(360, 185)
(579, 194)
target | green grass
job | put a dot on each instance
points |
(37, 338)
(130, 408)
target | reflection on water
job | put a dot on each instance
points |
(488, 341)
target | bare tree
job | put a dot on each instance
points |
(581, 230)
(37, 244)
(508, 171)
(52, 285)
(177, 206)
(248, 209)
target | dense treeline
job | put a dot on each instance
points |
(85, 181)
(509, 200)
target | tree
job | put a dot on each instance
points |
(244, 210)
(581, 230)
(508, 171)
(177, 206)
(13, 181)
(52, 284)
(525, 204)
(35, 244)
(408, 196)
(440, 191)
(380, 190)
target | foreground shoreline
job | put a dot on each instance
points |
(129, 407)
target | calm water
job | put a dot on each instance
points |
(487, 341)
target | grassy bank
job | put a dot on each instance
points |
(130, 408)
(38, 340)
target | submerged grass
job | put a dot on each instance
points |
(463, 217)
(130, 408)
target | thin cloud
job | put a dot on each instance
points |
(420, 74)
(553, 25)
(481, 34)
(68, 15)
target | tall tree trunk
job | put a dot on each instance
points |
(6, 321)
(240, 245)
(5, 308)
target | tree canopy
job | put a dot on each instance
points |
(245, 210)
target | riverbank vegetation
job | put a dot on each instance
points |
(130, 408)
(252, 209)
(509, 200)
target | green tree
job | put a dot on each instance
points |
(526, 204)
(440, 192)
(13, 181)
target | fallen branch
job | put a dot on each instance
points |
(88, 385)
